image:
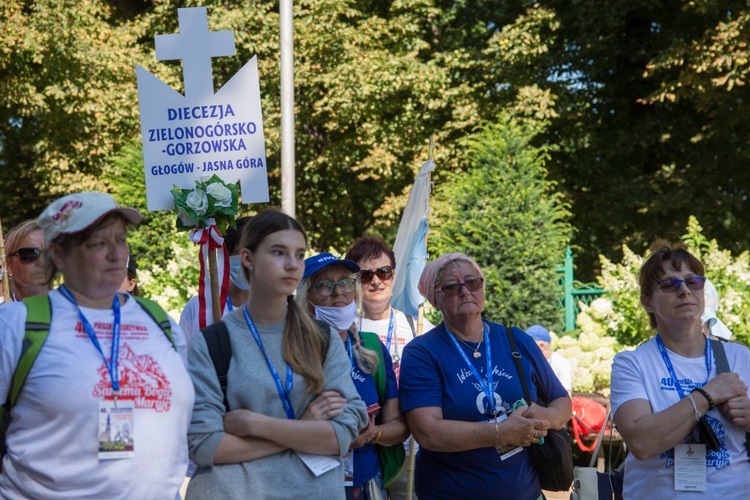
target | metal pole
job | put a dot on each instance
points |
(4, 267)
(288, 195)
(570, 307)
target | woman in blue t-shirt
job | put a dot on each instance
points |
(329, 288)
(463, 399)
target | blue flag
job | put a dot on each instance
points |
(411, 244)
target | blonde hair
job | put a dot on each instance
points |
(303, 342)
(367, 359)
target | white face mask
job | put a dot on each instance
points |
(341, 318)
(236, 274)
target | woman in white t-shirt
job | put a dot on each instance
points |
(683, 422)
(377, 264)
(105, 407)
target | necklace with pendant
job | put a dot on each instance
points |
(477, 354)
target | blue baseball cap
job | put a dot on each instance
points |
(317, 262)
(538, 332)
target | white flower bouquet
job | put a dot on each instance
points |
(210, 199)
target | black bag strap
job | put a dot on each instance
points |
(722, 366)
(220, 351)
(720, 356)
(410, 320)
(519, 366)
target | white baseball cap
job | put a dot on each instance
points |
(78, 211)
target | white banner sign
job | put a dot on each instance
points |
(186, 138)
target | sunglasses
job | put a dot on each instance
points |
(326, 288)
(671, 285)
(471, 284)
(27, 255)
(383, 273)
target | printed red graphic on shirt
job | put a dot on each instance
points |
(141, 381)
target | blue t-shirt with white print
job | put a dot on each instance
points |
(366, 463)
(434, 374)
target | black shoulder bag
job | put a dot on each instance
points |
(552, 460)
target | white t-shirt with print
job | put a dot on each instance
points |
(189, 317)
(402, 334)
(643, 374)
(53, 436)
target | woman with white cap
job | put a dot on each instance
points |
(463, 397)
(104, 408)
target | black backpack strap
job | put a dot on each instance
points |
(220, 351)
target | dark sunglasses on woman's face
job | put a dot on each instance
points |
(27, 255)
(383, 273)
(471, 284)
(671, 285)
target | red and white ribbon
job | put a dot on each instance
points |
(209, 238)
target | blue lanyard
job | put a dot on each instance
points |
(114, 373)
(349, 348)
(389, 335)
(230, 307)
(283, 394)
(486, 386)
(670, 368)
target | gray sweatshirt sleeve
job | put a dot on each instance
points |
(338, 378)
(207, 424)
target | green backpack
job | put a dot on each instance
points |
(391, 457)
(38, 319)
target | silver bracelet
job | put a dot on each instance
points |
(695, 408)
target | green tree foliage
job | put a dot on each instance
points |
(651, 98)
(66, 77)
(645, 101)
(504, 212)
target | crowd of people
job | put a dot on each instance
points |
(312, 385)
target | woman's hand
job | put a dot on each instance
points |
(366, 435)
(325, 406)
(724, 387)
(240, 422)
(557, 413)
(520, 430)
(737, 411)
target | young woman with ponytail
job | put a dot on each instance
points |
(267, 444)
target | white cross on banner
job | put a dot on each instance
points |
(202, 133)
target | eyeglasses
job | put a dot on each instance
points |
(27, 255)
(671, 285)
(326, 288)
(383, 273)
(471, 284)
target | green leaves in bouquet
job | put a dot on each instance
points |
(212, 198)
